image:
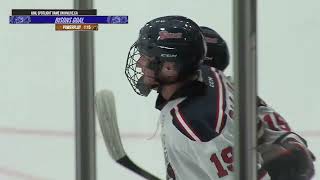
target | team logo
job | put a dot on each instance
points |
(169, 55)
(211, 81)
(20, 19)
(168, 35)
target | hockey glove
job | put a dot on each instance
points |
(288, 159)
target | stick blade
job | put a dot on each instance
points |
(106, 111)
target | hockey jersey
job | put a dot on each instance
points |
(197, 128)
(197, 125)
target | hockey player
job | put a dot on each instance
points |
(271, 125)
(196, 117)
(217, 50)
(196, 127)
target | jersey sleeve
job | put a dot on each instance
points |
(272, 127)
(270, 118)
(203, 117)
(196, 124)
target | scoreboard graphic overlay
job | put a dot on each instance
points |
(65, 19)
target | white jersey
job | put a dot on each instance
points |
(194, 159)
(197, 130)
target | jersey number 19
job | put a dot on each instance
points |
(227, 157)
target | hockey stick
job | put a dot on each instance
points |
(106, 110)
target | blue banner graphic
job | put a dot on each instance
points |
(68, 19)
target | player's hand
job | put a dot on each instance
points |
(289, 160)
